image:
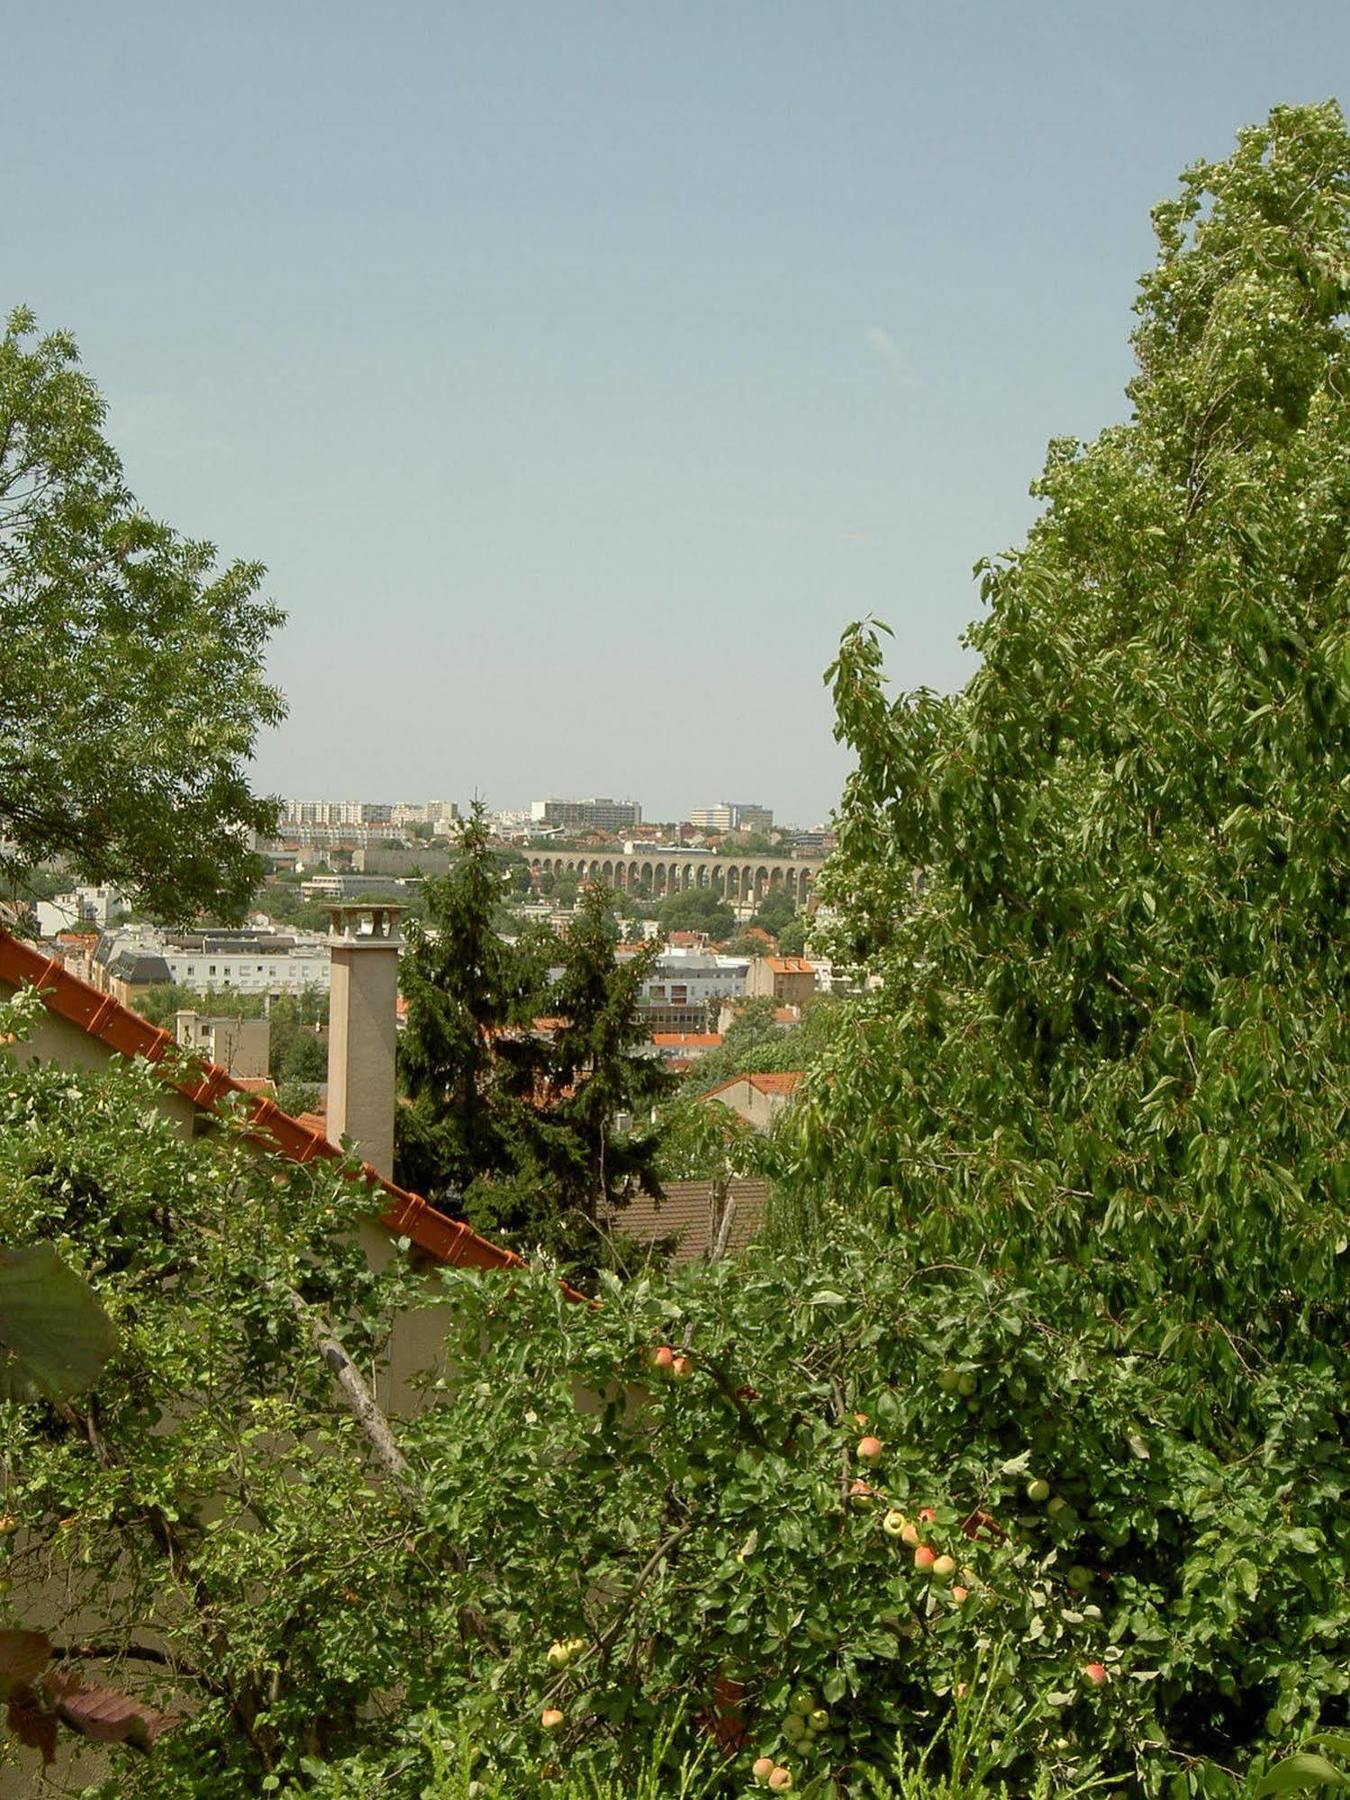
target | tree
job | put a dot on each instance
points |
(1132, 824)
(466, 1061)
(596, 1071)
(792, 938)
(508, 1120)
(775, 911)
(206, 1524)
(131, 688)
(696, 909)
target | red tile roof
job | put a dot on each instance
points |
(708, 1039)
(790, 965)
(764, 1082)
(683, 1213)
(407, 1215)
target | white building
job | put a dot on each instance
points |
(251, 961)
(732, 815)
(689, 977)
(99, 906)
(600, 814)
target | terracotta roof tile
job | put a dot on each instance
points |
(684, 1214)
(407, 1215)
(770, 1082)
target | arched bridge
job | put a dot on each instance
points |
(651, 874)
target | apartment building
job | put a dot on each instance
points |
(596, 814)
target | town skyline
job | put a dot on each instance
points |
(580, 380)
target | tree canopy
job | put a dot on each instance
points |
(131, 683)
(518, 1058)
(1106, 885)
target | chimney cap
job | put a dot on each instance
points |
(368, 922)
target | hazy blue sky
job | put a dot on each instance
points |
(580, 370)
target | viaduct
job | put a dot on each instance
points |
(655, 873)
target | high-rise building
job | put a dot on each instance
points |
(597, 814)
(732, 815)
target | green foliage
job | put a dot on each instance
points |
(697, 1529)
(696, 909)
(510, 1123)
(468, 1062)
(211, 1498)
(775, 911)
(54, 1336)
(132, 689)
(792, 938)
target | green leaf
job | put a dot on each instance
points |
(54, 1335)
(1298, 1774)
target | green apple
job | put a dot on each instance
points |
(894, 1524)
(818, 1719)
(1038, 1491)
(948, 1380)
(966, 1383)
(802, 1702)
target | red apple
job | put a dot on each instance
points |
(944, 1567)
(662, 1358)
(681, 1367)
(860, 1495)
(780, 1781)
(928, 1514)
(762, 1768)
(550, 1718)
(924, 1558)
(869, 1450)
(910, 1534)
(960, 1593)
(1096, 1674)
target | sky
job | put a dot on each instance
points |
(580, 371)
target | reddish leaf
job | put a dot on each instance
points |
(105, 1715)
(23, 1657)
(32, 1723)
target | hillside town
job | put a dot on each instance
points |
(635, 1295)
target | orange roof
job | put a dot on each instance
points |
(407, 1215)
(764, 1082)
(709, 1039)
(790, 965)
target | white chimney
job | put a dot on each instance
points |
(363, 1030)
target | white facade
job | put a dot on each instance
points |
(603, 814)
(262, 962)
(687, 977)
(99, 906)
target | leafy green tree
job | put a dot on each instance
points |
(206, 1523)
(596, 1070)
(792, 938)
(776, 910)
(1119, 992)
(131, 686)
(466, 1058)
(696, 909)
